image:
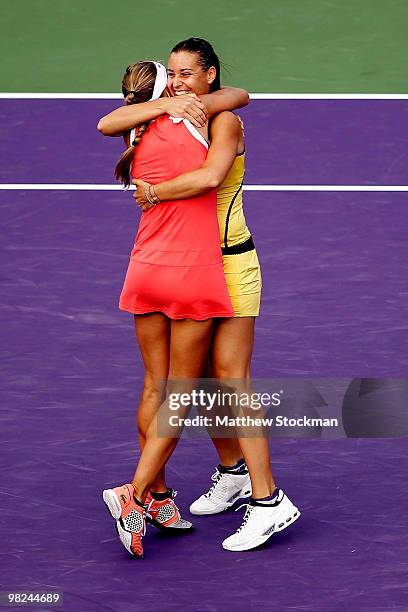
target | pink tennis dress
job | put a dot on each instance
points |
(176, 264)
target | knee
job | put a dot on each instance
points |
(229, 369)
(151, 388)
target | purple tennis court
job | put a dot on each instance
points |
(335, 305)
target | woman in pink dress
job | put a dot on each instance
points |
(174, 286)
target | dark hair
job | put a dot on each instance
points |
(207, 56)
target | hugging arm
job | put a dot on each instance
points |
(225, 135)
(195, 109)
(125, 118)
(226, 98)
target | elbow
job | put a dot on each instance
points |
(214, 183)
(244, 98)
(101, 126)
(212, 180)
(104, 128)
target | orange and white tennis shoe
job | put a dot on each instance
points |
(129, 516)
(165, 515)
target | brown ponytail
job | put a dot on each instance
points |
(124, 163)
(137, 87)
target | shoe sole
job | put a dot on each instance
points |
(244, 494)
(176, 528)
(126, 539)
(113, 504)
(262, 539)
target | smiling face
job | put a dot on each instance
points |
(186, 75)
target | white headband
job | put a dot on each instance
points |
(160, 83)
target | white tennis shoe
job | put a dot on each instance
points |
(261, 521)
(223, 493)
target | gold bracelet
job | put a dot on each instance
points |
(153, 195)
(146, 192)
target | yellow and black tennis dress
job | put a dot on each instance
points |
(241, 265)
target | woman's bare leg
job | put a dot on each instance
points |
(189, 345)
(231, 358)
(228, 449)
(153, 337)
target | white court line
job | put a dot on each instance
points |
(107, 187)
(325, 187)
(253, 96)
